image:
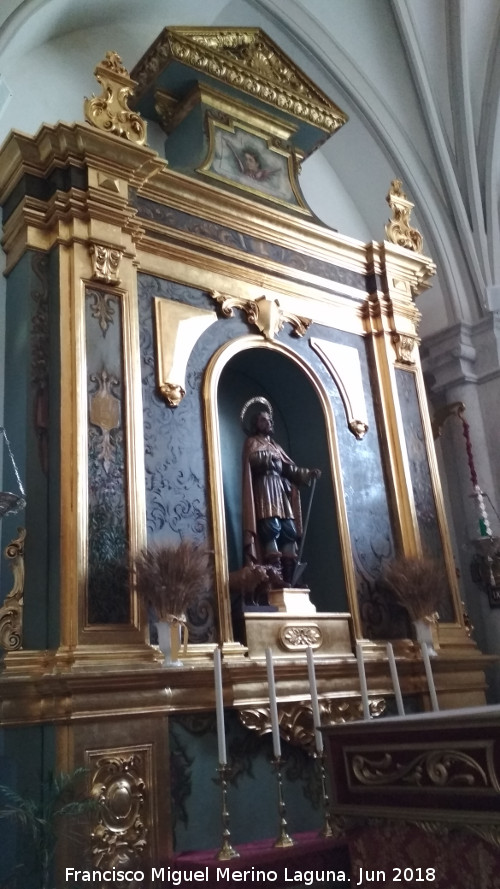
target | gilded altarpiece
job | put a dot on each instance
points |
(161, 300)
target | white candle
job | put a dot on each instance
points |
(273, 704)
(219, 708)
(430, 677)
(395, 680)
(362, 681)
(314, 700)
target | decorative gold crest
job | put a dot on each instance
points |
(263, 312)
(121, 835)
(110, 110)
(398, 229)
(11, 612)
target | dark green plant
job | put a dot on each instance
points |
(40, 820)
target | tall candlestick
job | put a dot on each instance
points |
(362, 681)
(273, 704)
(430, 678)
(318, 737)
(395, 679)
(219, 708)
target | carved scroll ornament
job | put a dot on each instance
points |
(11, 612)
(264, 313)
(110, 111)
(105, 263)
(398, 230)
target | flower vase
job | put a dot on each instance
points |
(424, 632)
(169, 641)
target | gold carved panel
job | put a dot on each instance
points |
(121, 781)
(178, 328)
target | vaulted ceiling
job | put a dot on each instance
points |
(419, 79)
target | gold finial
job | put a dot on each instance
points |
(110, 110)
(398, 230)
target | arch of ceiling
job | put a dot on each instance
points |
(375, 65)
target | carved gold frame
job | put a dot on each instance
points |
(212, 430)
(230, 127)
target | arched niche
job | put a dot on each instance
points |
(304, 427)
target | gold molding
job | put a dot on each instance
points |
(110, 111)
(11, 612)
(343, 365)
(245, 59)
(398, 230)
(178, 329)
(263, 312)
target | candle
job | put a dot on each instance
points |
(219, 708)
(273, 704)
(362, 681)
(314, 700)
(395, 679)
(430, 677)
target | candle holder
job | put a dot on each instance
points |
(326, 830)
(284, 839)
(226, 850)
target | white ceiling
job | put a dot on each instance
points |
(420, 80)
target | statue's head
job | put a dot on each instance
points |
(262, 423)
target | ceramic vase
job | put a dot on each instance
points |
(169, 641)
(424, 633)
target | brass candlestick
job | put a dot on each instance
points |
(226, 850)
(326, 830)
(284, 839)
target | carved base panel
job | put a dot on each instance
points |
(293, 601)
(128, 775)
(291, 634)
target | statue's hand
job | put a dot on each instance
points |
(315, 473)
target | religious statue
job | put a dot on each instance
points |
(272, 521)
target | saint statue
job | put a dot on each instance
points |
(272, 521)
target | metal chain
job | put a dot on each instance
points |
(11, 455)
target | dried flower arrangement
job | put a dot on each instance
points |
(170, 576)
(418, 583)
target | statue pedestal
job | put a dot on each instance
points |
(292, 600)
(291, 634)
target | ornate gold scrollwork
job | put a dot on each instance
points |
(105, 263)
(11, 612)
(110, 110)
(295, 637)
(263, 313)
(398, 230)
(440, 768)
(296, 720)
(404, 345)
(121, 834)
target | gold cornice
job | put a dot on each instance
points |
(246, 60)
(173, 111)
